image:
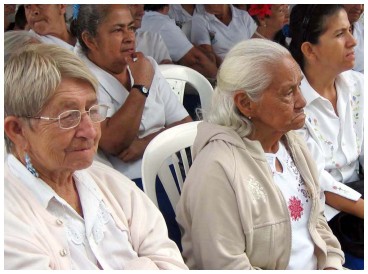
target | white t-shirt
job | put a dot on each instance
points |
(180, 15)
(208, 30)
(359, 48)
(297, 198)
(176, 41)
(335, 141)
(151, 44)
(162, 107)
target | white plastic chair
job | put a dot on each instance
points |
(160, 153)
(178, 76)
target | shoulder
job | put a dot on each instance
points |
(353, 79)
(111, 181)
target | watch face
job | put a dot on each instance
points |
(144, 90)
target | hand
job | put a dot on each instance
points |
(134, 151)
(141, 69)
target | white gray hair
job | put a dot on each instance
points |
(32, 75)
(247, 67)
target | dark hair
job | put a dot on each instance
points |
(20, 17)
(154, 7)
(89, 18)
(307, 24)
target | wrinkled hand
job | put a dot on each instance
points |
(141, 69)
(134, 151)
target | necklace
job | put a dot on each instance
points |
(259, 35)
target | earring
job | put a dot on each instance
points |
(29, 166)
(250, 118)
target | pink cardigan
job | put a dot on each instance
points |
(33, 239)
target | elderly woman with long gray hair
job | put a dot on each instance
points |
(61, 209)
(256, 203)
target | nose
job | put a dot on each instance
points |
(87, 128)
(299, 100)
(352, 42)
(34, 9)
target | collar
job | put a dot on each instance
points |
(343, 82)
(41, 191)
(234, 14)
(108, 82)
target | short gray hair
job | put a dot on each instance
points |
(247, 67)
(15, 39)
(32, 75)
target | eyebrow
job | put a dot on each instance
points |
(123, 25)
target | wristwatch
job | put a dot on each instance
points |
(142, 89)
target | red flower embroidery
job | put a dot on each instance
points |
(260, 10)
(295, 208)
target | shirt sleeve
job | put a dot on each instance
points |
(104, 98)
(327, 182)
(200, 32)
(176, 41)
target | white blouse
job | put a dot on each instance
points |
(297, 198)
(162, 107)
(94, 241)
(336, 141)
(208, 30)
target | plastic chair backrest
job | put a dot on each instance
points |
(178, 76)
(160, 153)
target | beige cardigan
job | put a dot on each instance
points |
(232, 214)
(33, 239)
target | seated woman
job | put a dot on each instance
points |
(219, 28)
(324, 48)
(61, 209)
(48, 22)
(141, 101)
(270, 19)
(251, 198)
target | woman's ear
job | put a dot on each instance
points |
(14, 129)
(308, 51)
(89, 41)
(243, 103)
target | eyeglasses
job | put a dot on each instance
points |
(71, 118)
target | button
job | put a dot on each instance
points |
(59, 221)
(63, 252)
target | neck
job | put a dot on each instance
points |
(65, 35)
(61, 182)
(226, 16)
(321, 81)
(264, 33)
(269, 139)
(189, 8)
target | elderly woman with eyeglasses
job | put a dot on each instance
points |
(61, 209)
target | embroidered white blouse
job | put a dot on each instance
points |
(297, 198)
(336, 141)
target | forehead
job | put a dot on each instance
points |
(336, 21)
(119, 12)
(286, 72)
